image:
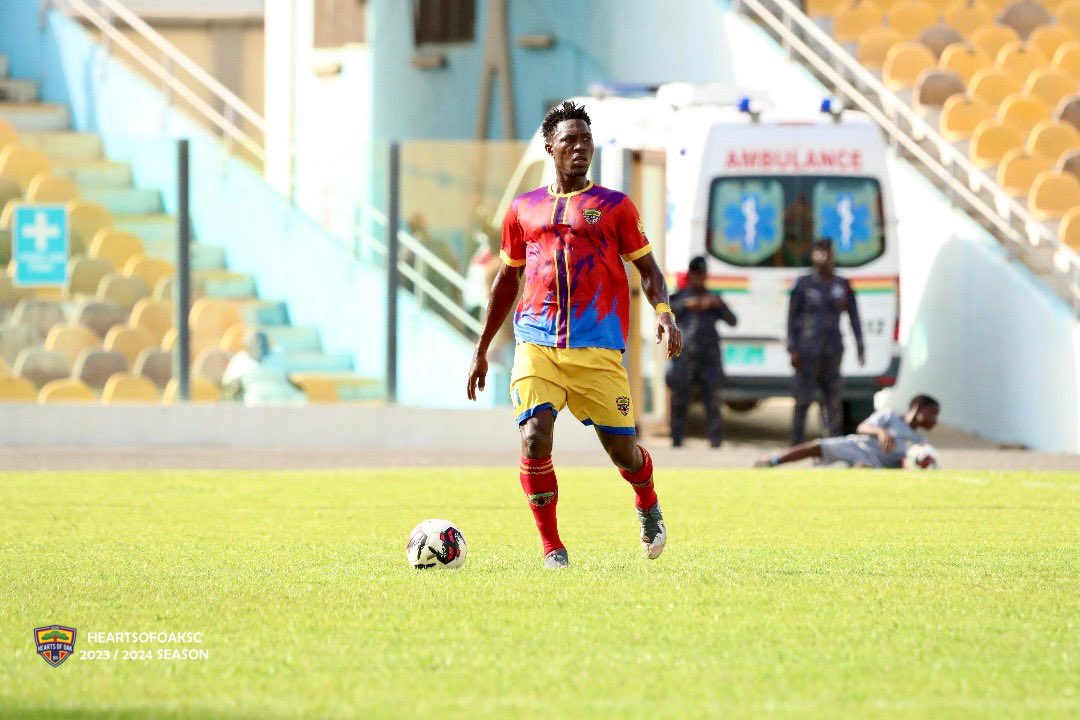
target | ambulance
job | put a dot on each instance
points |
(750, 188)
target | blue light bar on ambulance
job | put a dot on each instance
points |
(744, 104)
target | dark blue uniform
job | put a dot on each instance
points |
(814, 333)
(701, 364)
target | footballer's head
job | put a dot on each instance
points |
(568, 138)
(923, 411)
(821, 255)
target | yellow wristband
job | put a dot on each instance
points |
(663, 308)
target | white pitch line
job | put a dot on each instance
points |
(1075, 487)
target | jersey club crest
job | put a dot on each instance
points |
(55, 643)
(622, 404)
(591, 215)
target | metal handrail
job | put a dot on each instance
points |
(234, 106)
(949, 161)
(228, 97)
(174, 84)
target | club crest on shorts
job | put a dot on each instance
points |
(622, 404)
(592, 215)
(55, 643)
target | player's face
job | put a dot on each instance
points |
(926, 416)
(695, 280)
(821, 258)
(572, 148)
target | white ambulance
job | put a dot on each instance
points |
(750, 190)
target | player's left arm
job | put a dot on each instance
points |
(652, 282)
(856, 324)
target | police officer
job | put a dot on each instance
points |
(817, 301)
(697, 311)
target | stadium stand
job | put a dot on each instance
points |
(1018, 169)
(202, 391)
(910, 19)
(989, 39)
(17, 389)
(71, 341)
(855, 19)
(94, 367)
(964, 59)
(1052, 140)
(1053, 194)
(40, 366)
(904, 63)
(993, 85)
(1023, 112)
(129, 342)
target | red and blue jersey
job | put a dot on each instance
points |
(573, 246)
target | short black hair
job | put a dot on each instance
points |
(697, 264)
(566, 110)
(920, 401)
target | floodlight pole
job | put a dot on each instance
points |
(392, 222)
(182, 359)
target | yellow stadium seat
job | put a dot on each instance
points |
(129, 342)
(1052, 139)
(964, 59)
(991, 140)
(1067, 60)
(46, 188)
(233, 339)
(65, 390)
(874, 46)
(992, 86)
(85, 220)
(214, 317)
(911, 18)
(122, 291)
(202, 391)
(1017, 171)
(904, 63)
(934, 89)
(84, 275)
(1051, 86)
(71, 340)
(1069, 229)
(967, 17)
(153, 316)
(1049, 38)
(1068, 15)
(124, 388)
(855, 19)
(991, 38)
(961, 115)
(149, 270)
(21, 164)
(116, 246)
(1023, 112)
(17, 389)
(317, 389)
(1020, 60)
(1053, 194)
(200, 341)
(8, 134)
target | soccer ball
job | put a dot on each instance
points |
(436, 544)
(921, 456)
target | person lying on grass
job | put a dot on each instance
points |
(880, 441)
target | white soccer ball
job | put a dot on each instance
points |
(436, 544)
(921, 456)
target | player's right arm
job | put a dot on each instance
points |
(503, 294)
(874, 426)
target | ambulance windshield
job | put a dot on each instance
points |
(771, 221)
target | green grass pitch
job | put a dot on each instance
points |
(808, 593)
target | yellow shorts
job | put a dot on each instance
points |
(592, 381)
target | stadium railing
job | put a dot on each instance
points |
(1023, 236)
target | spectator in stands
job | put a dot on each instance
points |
(697, 312)
(257, 375)
(817, 301)
(880, 441)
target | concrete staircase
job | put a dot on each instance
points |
(81, 157)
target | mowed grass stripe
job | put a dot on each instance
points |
(809, 593)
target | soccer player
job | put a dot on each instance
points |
(880, 442)
(569, 241)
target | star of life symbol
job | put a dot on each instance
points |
(750, 221)
(847, 218)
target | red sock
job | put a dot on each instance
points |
(641, 481)
(542, 489)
